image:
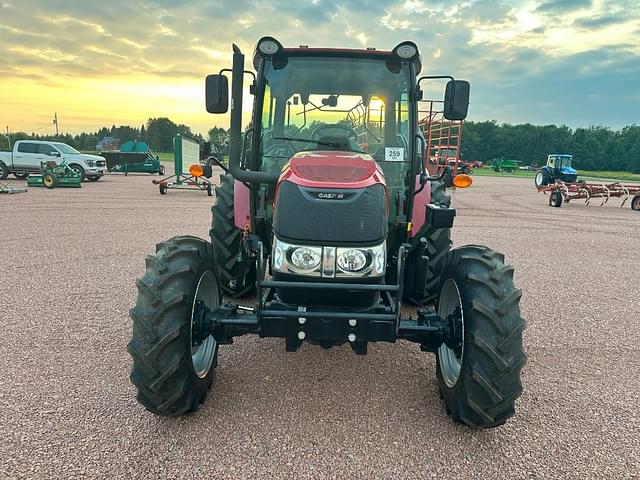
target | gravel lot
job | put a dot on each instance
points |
(69, 259)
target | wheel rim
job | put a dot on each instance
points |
(450, 361)
(202, 354)
(77, 170)
(48, 181)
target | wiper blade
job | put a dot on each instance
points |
(319, 142)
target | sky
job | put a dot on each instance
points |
(98, 63)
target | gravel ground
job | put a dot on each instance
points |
(69, 259)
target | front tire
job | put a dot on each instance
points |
(635, 203)
(94, 179)
(172, 370)
(480, 379)
(79, 171)
(20, 175)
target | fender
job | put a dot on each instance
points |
(420, 203)
(241, 205)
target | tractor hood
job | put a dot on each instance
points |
(331, 198)
(568, 171)
(333, 168)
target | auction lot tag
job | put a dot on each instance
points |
(393, 154)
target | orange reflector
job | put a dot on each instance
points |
(462, 181)
(196, 170)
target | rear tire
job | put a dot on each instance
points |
(161, 170)
(227, 243)
(635, 203)
(542, 178)
(4, 171)
(171, 377)
(480, 382)
(20, 175)
(438, 246)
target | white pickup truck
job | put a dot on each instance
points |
(27, 155)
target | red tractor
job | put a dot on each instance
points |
(330, 238)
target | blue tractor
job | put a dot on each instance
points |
(558, 167)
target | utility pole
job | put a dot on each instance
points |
(8, 137)
(55, 122)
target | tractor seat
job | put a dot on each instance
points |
(51, 164)
(343, 143)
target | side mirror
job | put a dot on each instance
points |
(205, 150)
(217, 93)
(456, 100)
(54, 153)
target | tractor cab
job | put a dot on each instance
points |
(558, 167)
(561, 163)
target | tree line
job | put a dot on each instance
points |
(158, 133)
(593, 148)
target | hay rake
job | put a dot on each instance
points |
(560, 192)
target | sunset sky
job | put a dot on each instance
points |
(99, 63)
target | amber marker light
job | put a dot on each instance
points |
(196, 170)
(462, 181)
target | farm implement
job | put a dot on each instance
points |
(560, 192)
(55, 175)
(133, 157)
(4, 188)
(197, 177)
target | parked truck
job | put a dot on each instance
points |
(27, 156)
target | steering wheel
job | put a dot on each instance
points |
(315, 134)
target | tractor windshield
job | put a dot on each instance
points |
(322, 103)
(561, 161)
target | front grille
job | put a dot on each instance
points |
(330, 216)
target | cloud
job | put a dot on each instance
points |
(519, 55)
(561, 6)
(601, 21)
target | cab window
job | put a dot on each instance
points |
(46, 149)
(27, 147)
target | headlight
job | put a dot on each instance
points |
(366, 262)
(91, 163)
(269, 46)
(305, 258)
(352, 260)
(287, 258)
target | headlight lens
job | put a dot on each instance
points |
(305, 258)
(352, 260)
(406, 51)
(91, 163)
(268, 47)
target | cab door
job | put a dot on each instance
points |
(48, 152)
(27, 156)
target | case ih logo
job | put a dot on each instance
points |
(332, 195)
